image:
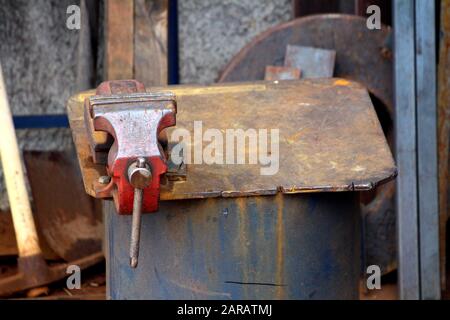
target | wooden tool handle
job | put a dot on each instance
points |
(25, 229)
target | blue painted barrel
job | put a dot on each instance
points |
(286, 246)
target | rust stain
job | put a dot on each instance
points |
(199, 288)
(341, 82)
(291, 139)
(444, 130)
(280, 246)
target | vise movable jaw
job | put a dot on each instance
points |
(124, 125)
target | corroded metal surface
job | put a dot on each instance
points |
(363, 55)
(444, 131)
(34, 272)
(134, 119)
(302, 246)
(360, 51)
(330, 138)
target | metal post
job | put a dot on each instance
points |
(416, 151)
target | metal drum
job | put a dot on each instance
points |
(228, 231)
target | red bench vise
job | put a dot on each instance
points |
(124, 125)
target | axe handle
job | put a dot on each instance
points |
(24, 227)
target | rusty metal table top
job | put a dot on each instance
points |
(330, 138)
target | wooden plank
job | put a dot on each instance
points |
(427, 149)
(150, 42)
(281, 73)
(444, 129)
(85, 60)
(405, 115)
(8, 244)
(119, 35)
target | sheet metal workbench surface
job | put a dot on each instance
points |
(301, 240)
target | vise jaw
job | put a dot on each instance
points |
(124, 125)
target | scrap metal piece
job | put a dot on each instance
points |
(324, 126)
(281, 73)
(8, 245)
(119, 39)
(427, 156)
(314, 62)
(136, 227)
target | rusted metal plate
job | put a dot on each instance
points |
(8, 246)
(329, 138)
(314, 62)
(384, 5)
(281, 73)
(362, 55)
(444, 131)
(427, 151)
